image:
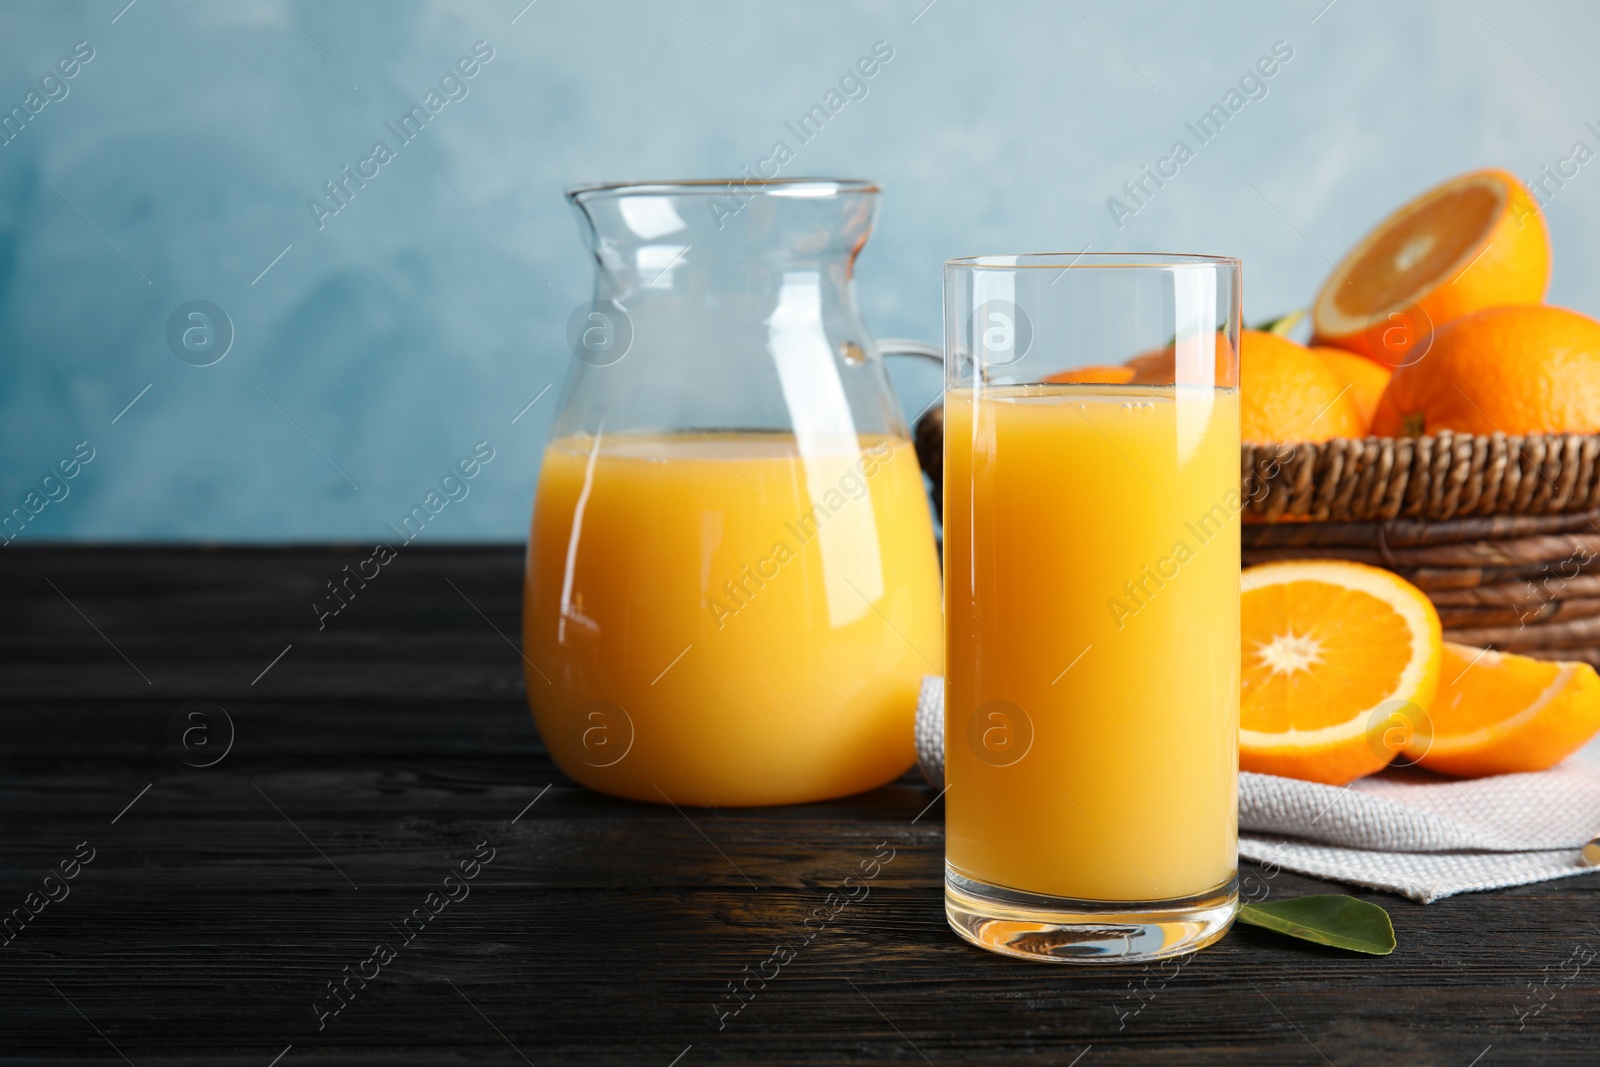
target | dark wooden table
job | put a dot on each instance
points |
(372, 758)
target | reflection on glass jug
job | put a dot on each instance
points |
(732, 590)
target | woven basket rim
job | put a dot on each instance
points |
(1437, 476)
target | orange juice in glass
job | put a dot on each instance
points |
(1091, 604)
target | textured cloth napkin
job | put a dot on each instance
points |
(1405, 831)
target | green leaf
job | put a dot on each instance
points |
(1332, 919)
(1283, 325)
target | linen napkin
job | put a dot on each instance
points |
(1406, 831)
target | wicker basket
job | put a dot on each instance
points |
(1502, 533)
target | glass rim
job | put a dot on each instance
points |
(1089, 260)
(720, 186)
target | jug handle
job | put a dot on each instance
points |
(927, 433)
(903, 346)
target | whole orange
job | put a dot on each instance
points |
(1289, 393)
(1366, 378)
(1097, 374)
(1159, 366)
(1475, 241)
(1526, 368)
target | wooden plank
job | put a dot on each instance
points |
(384, 748)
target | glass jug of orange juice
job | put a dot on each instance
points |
(732, 590)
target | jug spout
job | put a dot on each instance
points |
(726, 304)
(650, 228)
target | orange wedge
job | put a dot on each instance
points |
(1335, 654)
(1476, 241)
(1499, 713)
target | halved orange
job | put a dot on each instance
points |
(1335, 653)
(1499, 713)
(1475, 241)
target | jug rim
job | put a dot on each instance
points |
(1087, 259)
(719, 186)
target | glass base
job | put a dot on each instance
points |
(1062, 930)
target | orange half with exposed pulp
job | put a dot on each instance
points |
(1474, 242)
(1334, 655)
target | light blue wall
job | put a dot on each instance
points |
(180, 162)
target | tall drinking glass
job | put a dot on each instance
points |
(1091, 545)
